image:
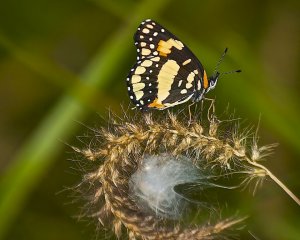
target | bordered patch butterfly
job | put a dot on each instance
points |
(167, 73)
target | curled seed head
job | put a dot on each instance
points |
(139, 164)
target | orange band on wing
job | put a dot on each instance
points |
(205, 80)
(156, 104)
(164, 47)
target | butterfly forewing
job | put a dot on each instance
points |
(166, 73)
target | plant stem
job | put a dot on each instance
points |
(276, 180)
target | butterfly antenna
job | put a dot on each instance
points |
(218, 65)
(230, 72)
(220, 61)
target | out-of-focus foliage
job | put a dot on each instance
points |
(64, 62)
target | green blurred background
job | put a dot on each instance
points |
(63, 63)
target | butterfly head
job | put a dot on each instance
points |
(213, 81)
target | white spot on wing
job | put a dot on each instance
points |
(139, 95)
(183, 91)
(146, 51)
(135, 79)
(146, 63)
(138, 86)
(140, 70)
(145, 30)
(149, 26)
(179, 83)
(179, 43)
(186, 62)
(188, 85)
(155, 59)
(191, 77)
(199, 85)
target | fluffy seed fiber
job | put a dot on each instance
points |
(153, 183)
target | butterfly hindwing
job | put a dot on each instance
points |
(166, 73)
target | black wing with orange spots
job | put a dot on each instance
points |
(167, 73)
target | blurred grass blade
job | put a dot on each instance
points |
(43, 66)
(51, 72)
(117, 8)
(39, 152)
(281, 116)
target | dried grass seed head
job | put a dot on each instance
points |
(136, 154)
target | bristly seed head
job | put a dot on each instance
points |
(122, 179)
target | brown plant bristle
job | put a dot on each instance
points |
(125, 143)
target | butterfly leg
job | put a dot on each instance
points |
(190, 113)
(211, 109)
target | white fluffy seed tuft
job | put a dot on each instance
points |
(152, 185)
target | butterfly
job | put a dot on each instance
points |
(166, 73)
